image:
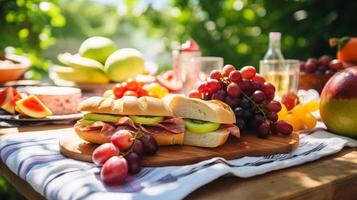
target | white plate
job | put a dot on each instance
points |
(49, 118)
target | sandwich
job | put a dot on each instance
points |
(208, 123)
(145, 115)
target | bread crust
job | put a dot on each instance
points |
(128, 105)
(213, 110)
(210, 140)
(92, 136)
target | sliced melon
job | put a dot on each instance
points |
(10, 106)
(6, 95)
(33, 107)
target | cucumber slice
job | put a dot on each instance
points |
(146, 120)
(101, 117)
(86, 122)
(199, 126)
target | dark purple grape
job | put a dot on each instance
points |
(330, 71)
(138, 148)
(150, 145)
(258, 119)
(247, 114)
(273, 128)
(219, 95)
(240, 123)
(283, 127)
(273, 106)
(272, 116)
(256, 86)
(207, 97)
(134, 162)
(238, 111)
(263, 130)
(245, 103)
(258, 96)
(231, 101)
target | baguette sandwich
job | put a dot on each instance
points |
(208, 123)
(104, 116)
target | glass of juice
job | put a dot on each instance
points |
(283, 74)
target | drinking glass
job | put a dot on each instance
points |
(283, 74)
(209, 63)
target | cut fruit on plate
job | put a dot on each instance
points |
(6, 95)
(33, 107)
(169, 82)
(10, 106)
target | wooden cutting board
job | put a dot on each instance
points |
(248, 145)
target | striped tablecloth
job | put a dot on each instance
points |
(36, 159)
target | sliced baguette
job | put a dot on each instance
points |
(127, 105)
(212, 111)
(211, 139)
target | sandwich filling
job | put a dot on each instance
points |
(108, 124)
(202, 127)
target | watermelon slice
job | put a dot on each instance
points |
(33, 107)
(6, 95)
(10, 106)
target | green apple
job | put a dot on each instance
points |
(123, 64)
(97, 48)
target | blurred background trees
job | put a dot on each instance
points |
(236, 30)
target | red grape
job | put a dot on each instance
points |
(256, 86)
(272, 116)
(248, 72)
(302, 66)
(311, 65)
(122, 139)
(119, 90)
(245, 84)
(233, 90)
(258, 96)
(268, 89)
(235, 76)
(138, 148)
(104, 152)
(263, 130)
(150, 145)
(134, 162)
(290, 100)
(203, 87)
(227, 69)
(324, 60)
(274, 106)
(258, 78)
(219, 95)
(195, 94)
(215, 74)
(336, 64)
(213, 85)
(114, 170)
(283, 127)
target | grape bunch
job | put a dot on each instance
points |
(249, 95)
(123, 155)
(323, 65)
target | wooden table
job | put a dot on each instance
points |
(333, 177)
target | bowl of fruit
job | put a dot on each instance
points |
(12, 67)
(314, 73)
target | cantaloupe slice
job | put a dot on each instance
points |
(10, 106)
(33, 107)
(6, 95)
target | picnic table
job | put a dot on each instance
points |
(332, 177)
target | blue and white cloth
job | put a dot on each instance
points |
(36, 159)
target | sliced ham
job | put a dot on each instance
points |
(104, 128)
(233, 129)
(125, 123)
(170, 124)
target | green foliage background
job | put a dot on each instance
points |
(236, 30)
